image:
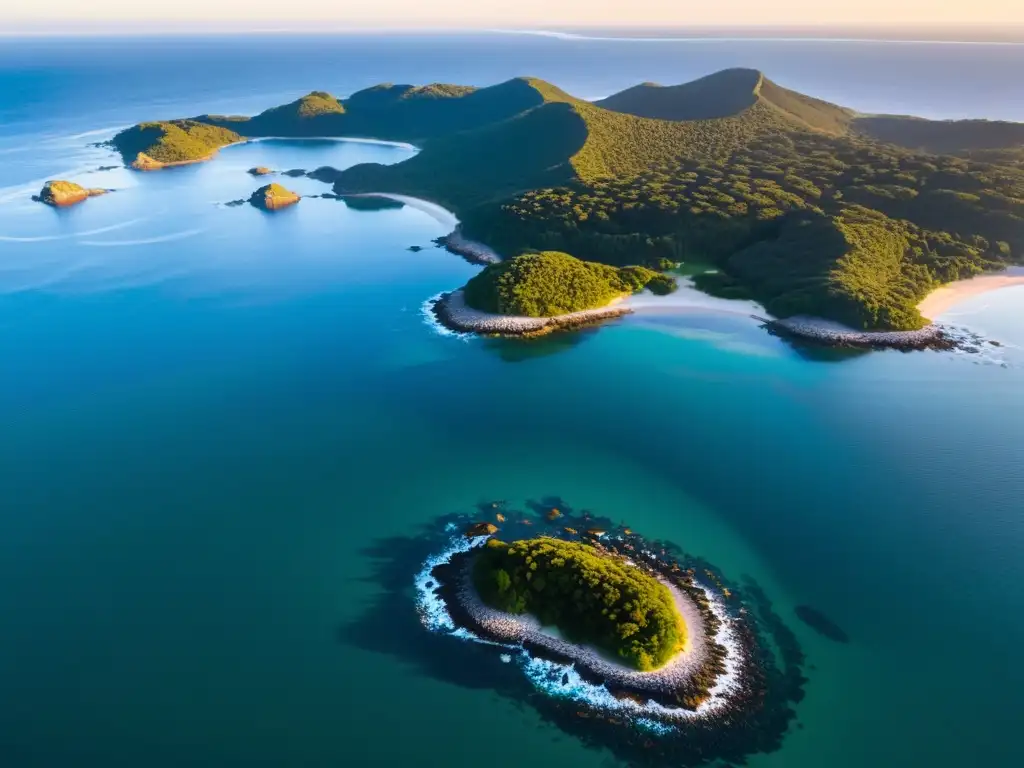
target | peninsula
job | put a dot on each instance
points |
(536, 293)
(802, 205)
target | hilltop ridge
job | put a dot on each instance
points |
(727, 93)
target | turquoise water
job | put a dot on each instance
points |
(211, 416)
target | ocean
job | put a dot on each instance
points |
(220, 427)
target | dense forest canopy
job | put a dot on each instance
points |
(552, 283)
(592, 597)
(798, 203)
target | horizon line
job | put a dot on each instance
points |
(1012, 34)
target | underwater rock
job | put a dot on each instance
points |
(821, 624)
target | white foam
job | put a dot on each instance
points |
(87, 233)
(427, 313)
(145, 241)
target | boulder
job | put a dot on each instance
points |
(480, 529)
(260, 170)
(273, 197)
(63, 193)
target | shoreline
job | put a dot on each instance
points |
(151, 164)
(947, 296)
(696, 681)
(453, 313)
(835, 334)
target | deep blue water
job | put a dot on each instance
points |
(209, 414)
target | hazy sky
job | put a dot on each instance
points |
(339, 14)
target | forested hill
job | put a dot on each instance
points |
(799, 203)
(397, 112)
(728, 93)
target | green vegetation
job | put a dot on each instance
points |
(942, 136)
(798, 203)
(173, 141)
(272, 197)
(804, 222)
(727, 94)
(592, 597)
(552, 283)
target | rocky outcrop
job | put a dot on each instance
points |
(833, 334)
(144, 162)
(61, 194)
(273, 197)
(470, 250)
(260, 170)
(480, 529)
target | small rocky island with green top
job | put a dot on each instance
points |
(633, 644)
(807, 207)
(273, 197)
(61, 194)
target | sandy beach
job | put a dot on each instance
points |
(941, 300)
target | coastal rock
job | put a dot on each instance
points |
(452, 312)
(480, 529)
(834, 334)
(273, 197)
(64, 193)
(144, 162)
(470, 250)
(259, 170)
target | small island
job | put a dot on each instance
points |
(631, 643)
(537, 293)
(594, 599)
(273, 197)
(61, 194)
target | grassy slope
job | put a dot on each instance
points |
(563, 140)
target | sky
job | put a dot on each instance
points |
(324, 15)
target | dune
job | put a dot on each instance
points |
(941, 300)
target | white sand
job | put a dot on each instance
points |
(941, 300)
